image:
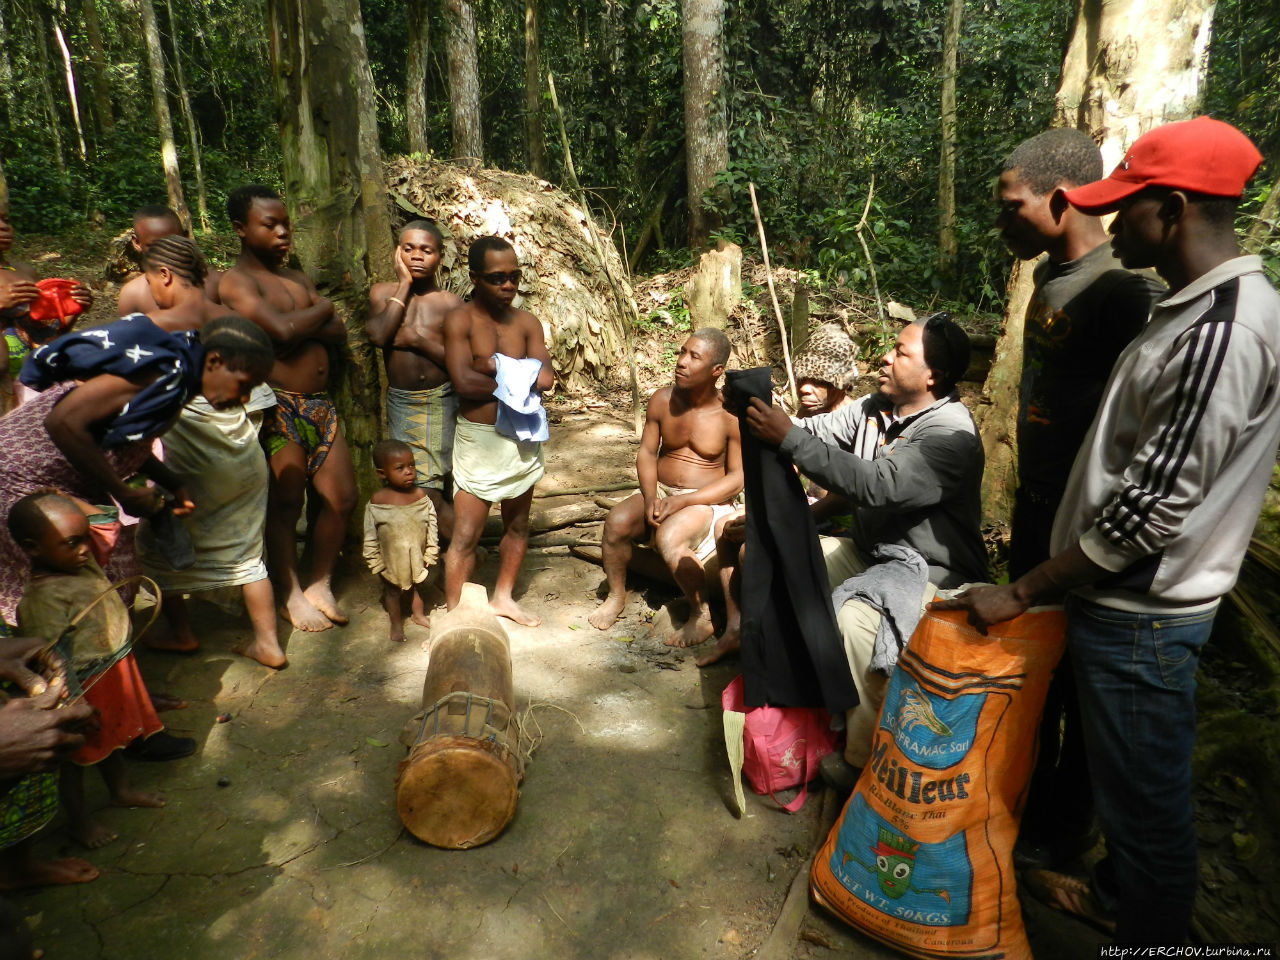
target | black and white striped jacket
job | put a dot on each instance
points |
(1168, 483)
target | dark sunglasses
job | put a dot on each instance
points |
(498, 279)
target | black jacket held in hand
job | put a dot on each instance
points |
(792, 655)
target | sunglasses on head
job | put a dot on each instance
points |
(499, 278)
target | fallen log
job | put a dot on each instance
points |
(542, 519)
(583, 491)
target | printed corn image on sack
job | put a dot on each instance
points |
(922, 856)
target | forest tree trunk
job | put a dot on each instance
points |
(706, 134)
(947, 160)
(6, 69)
(464, 82)
(168, 148)
(415, 76)
(1130, 65)
(188, 118)
(98, 62)
(334, 188)
(46, 89)
(69, 74)
(535, 141)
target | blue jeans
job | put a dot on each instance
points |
(1136, 681)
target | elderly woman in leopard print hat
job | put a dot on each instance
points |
(825, 370)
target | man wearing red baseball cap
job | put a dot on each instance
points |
(1158, 512)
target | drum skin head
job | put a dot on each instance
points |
(457, 792)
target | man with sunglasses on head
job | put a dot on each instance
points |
(1157, 515)
(489, 465)
(908, 459)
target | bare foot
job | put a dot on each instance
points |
(172, 641)
(161, 702)
(605, 615)
(91, 834)
(396, 632)
(299, 611)
(266, 652)
(322, 598)
(133, 797)
(696, 630)
(46, 873)
(729, 643)
(512, 611)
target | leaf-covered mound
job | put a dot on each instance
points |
(563, 285)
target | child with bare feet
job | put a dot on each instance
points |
(66, 581)
(306, 449)
(690, 470)
(400, 537)
(214, 452)
(491, 463)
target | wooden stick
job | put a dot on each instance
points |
(773, 295)
(866, 252)
(626, 306)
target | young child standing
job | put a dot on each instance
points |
(65, 579)
(400, 536)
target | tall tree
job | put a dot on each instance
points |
(464, 81)
(46, 89)
(333, 183)
(188, 119)
(535, 142)
(164, 122)
(69, 76)
(97, 66)
(1130, 65)
(706, 133)
(6, 66)
(947, 161)
(415, 76)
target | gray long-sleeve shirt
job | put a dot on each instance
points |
(914, 481)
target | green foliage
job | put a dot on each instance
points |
(825, 98)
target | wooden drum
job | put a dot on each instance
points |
(459, 784)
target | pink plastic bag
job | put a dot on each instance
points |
(781, 745)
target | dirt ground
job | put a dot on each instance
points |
(623, 844)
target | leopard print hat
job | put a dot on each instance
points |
(829, 355)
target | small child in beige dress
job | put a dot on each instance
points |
(400, 542)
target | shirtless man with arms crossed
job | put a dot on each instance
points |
(303, 442)
(150, 223)
(690, 469)
(487, 466)
(406, 319)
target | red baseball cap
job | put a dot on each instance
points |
(1201, 155)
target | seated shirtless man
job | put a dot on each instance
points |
(489, 465)
(690, 470)
(150, 223)
(406, 319)
(305, 448)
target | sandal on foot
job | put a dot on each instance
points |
(1073, 895)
